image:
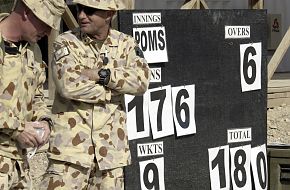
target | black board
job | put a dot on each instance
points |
(199, 54)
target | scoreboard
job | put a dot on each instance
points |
(202, 123)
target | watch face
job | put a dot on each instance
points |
(104, 76)
(103, 73)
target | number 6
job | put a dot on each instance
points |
(251, 56)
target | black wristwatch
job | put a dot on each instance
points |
(104, 75)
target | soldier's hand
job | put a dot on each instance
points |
(92, 74)
(45, 126)
(29, 138)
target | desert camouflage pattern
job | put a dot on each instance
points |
(66, 176)
(48, 11)
(22, 74)
(90, 119)
(102, 4)
(12, 178)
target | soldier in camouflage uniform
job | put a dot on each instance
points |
(93, 67)
(22, 74)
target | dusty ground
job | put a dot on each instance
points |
(278, 122)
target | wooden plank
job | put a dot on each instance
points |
(279, 54)
(189, 4)
(279, 95)
(278, 102)
(256, 4)
(129, 4)
(194, 4)
(51, 85)
(279, 83)
(197, 4)
(203, 4)
(276, 86)
(277, 90)
(69, 19)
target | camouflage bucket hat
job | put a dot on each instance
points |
(102, 4)
(48, 11)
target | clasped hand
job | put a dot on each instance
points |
(29, 137)
(92, 74)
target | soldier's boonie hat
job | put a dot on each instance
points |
(102, 4)
(48, 11)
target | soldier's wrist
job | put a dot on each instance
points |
(17, 132)
(49, 122)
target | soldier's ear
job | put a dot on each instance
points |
(26, 12)
(110, 14)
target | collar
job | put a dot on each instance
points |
(111, 40)
(14, 48)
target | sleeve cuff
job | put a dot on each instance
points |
(48, 120)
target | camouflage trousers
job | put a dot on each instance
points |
(14, 174)
(68, 176)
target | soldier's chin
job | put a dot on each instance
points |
(84, 29)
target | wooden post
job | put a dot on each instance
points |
(69, 19)
(203, 4)
(256, 4)
(194, 4)
(51, 86)
(197, 4)
(278, 55)
(129, 4)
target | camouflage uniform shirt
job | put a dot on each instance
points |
(22, 74)
(90, 119)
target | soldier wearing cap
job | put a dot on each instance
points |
(93, 67)
(22, 75)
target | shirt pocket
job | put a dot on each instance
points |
(87, 62)
(117, 57)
